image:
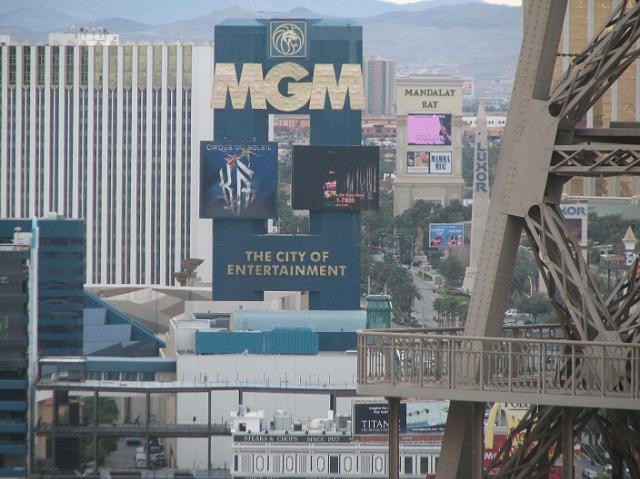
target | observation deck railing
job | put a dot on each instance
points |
(426, 364)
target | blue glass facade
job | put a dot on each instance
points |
(61, 276)
(335, 42)
(14, 341)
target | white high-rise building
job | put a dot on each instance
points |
(110, 134)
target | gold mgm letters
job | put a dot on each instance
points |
(263, 89)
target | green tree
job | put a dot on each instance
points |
(525, 274)
(452, 269)
(609, 229)
(389, 276)
(106, 406)
(108, 414)
(537, 305)
(377, 226)
(422, 213)
(450, 305)
(288, 222)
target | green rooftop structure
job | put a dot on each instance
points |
(378, 311)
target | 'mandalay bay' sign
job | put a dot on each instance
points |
(266, 88)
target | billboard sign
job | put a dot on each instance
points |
(415, 418)
(427, 417)
(417, 162)
(278, 66)
(576, 216)
(440, 162)
(436, 162)
(335, 178)
(446, 235)
(429, 129)
(468, 88)
(238, 180)
(373, 418)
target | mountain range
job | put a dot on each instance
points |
(454, 36)
(165, 11)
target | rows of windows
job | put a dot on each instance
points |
(292, 464)
(120, 376)
(72, 120)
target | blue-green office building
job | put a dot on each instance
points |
(61, 276)
(14, 359)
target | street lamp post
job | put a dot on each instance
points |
(412, 248)
(397, 244)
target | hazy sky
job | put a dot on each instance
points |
(500, 2)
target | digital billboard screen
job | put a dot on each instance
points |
(429, 129)
(335, 178)
(238, 180)
(446, 235)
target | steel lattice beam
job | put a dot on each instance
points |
(594, 70)
(563, 265)
(622, 317)
(596, 160)
(526, 194)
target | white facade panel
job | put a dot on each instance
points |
(89, 219)
(75, 160)
(18, 134)
(201, 129)
(133, 180)
(4, 180)
(103, 236)
(31, 159)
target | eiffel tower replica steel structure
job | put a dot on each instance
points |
(542, 149)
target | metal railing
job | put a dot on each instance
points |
(195, 385)
(122, 430)
(533, 331)
(499, 365)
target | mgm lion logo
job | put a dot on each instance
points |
(288, 39)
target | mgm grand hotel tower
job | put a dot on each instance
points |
(266, 67)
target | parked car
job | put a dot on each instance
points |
(589, 474)
(158, 460)
(155, 448)
(141, 460)
(133, 441)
